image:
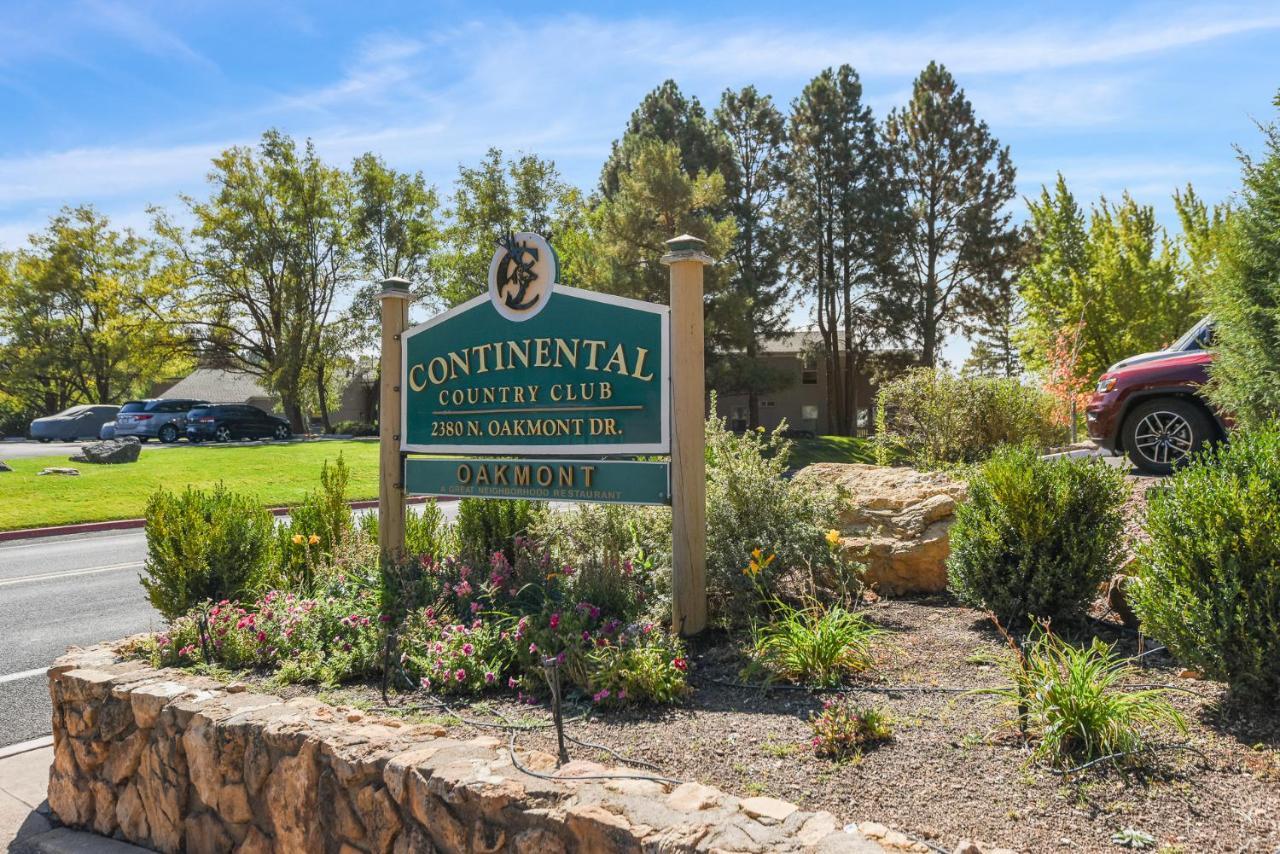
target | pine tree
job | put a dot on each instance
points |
(959, 182)
(753, 307)
(842, 208)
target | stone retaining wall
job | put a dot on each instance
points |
(182, 763)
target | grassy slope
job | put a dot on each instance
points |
(831, 449)
(276, 474)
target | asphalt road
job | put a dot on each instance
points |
(56, 593)
(14, 449)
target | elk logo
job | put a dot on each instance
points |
(523, 271)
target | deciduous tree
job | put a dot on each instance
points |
(267, 254)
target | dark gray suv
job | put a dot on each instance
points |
(164, 419)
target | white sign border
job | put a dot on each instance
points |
(662, 446)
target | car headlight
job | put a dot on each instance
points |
(1105, 385)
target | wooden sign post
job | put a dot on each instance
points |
(395, 319)
(686, 258)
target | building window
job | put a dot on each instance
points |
(809, 412)
(766, 404)
(809, 370)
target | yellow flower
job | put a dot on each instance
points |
(755, 553)
(313, 539)
(770, 559)
(297, 539)
(551, 576)
(759, 429)
(833, 537)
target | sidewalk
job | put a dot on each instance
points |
(25, 827)
(23, 779)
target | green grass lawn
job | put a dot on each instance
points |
(832, 449)
(276, 474)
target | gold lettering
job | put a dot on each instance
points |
(459, 362)
(544, 475)
(594, 346)
(570, 355)
(464, 474)
(500, 474)
(522, 475)
(638, 370)
(415, 384)
(542, 352)
(482, 475)
(619, 358)
(515, 352)
(566, 475)
(588, 472)
(443, 374)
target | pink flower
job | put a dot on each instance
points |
(475, 607)
(602, 695)
(262, 637)
(533, 648)
(460, 674)
(462, 588)
(679, 664)
(467, 649)
(511, 682)
(490, 677)
(426, 683)
(555, 621)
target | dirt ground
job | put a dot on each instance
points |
(955, 768)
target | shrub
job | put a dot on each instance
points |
(485, 526)
(203, 546)
(750, 504)
(937, 418)
(1072, 702)
(314, 530)
(842, 730)
(815, 645)
(355, 428)
(455, 658)
(1243, 294)
(1209, 580)
(1036, 536)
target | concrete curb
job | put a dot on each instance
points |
(26, 746)
(127, 524)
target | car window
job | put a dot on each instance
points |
(134, 406)
(200, 411)
(75, 410)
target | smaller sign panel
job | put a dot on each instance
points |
(605, 481)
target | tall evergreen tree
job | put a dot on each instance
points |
(842, 208)
(666, 115)
(958, 181)
(755, 303)
(1244, 293)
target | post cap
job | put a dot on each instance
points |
(395, 287)
(686, 247)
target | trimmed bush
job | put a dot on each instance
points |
(937, 418)
(203, 546)
(1036, 536)
(1209, 583)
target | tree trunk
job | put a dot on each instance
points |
(293, 411)
(323, 398)
(753, 394)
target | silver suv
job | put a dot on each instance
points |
(164, 419)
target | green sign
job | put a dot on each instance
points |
(529, 370)
(608, 481)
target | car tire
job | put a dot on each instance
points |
(1160, 435)
(168, 434)
(222, 434)
(281, 433)
(44, 441)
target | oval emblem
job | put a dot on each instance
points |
(522, 274)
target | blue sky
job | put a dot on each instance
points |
(123, 104)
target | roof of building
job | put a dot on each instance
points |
(218, 385)
(793, 341)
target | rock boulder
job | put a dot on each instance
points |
(895, 521)
(110, 451)
(5, 466)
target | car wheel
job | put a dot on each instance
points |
(44, 441)
(281, 432)
(1161, 434)
(222, 434)
(144, 439)
(168, 434)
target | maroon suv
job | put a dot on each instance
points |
(1150, 408)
